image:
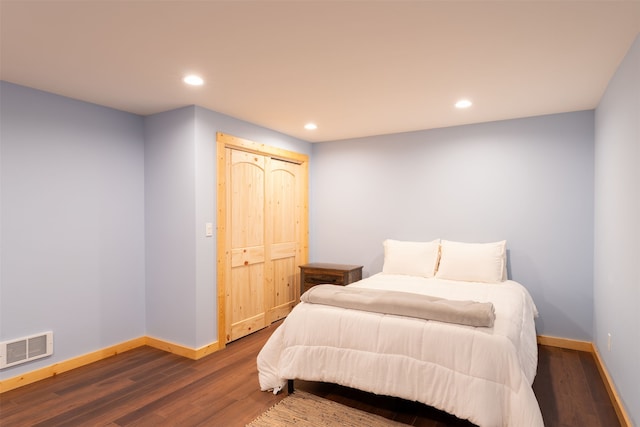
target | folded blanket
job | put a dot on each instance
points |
(469, 313)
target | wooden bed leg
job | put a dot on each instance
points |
(290, 388)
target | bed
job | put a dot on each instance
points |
(482, 374)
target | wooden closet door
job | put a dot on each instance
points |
(262, 234)
(283, 231)
(264, 231)
(245, 302)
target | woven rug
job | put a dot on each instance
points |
(307, 410)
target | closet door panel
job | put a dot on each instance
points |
(283, 232)
(247, 288)
(246, 225)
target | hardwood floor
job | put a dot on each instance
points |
(148, 387)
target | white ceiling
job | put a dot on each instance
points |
(356, 68)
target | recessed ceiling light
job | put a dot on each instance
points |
(311, 126)
(463, 103)
(193, 80)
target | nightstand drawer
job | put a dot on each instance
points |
(322, 279)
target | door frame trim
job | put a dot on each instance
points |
(224, 141)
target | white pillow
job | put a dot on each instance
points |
(411, 258)
(473, 262)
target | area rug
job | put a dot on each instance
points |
(307, 410)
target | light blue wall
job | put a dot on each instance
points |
(617, 230)
(180, 198)
(102, 222)
(72, 223)
(529, 181)
(170, 212)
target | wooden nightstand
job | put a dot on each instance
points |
(328, 274)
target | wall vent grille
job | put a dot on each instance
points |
(25, 349)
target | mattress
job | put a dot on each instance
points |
(480, 374)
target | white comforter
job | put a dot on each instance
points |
(480, 374)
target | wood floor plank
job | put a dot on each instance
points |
(599, 394)
(583, 410)
(190, 414)
(148, 387)
(544, 385)
(185, 387)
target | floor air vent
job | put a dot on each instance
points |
(25, 349)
